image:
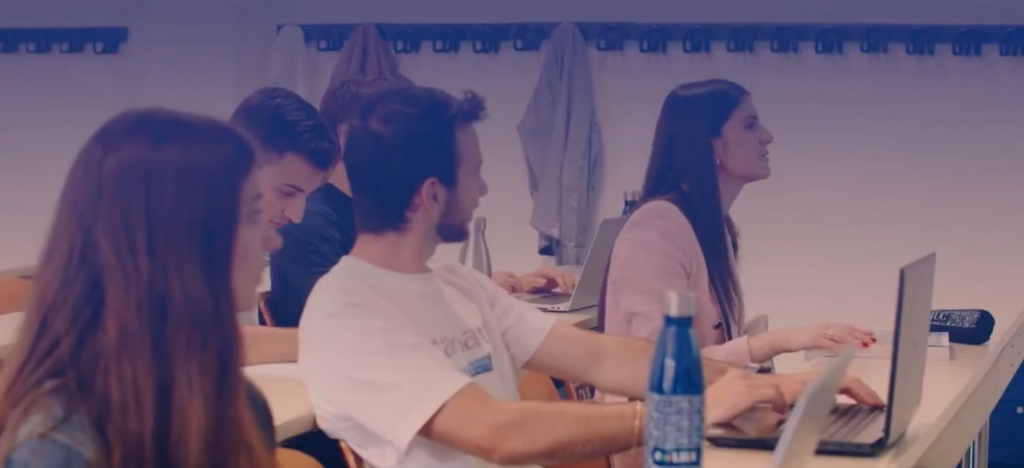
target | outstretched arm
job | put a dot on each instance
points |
(613, 364)
(622, 366)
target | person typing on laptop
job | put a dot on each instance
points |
(418, 366)
(709, 143)
(868, 430)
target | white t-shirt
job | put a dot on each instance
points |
(381, 351)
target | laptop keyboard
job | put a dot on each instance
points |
(846, 421)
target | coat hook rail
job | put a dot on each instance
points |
(691, 38)
(102, 41)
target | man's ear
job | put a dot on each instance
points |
(431, 196)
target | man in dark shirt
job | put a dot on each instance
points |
(327, 230)
(310, 249)
(296, 150)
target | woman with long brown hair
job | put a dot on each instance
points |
(129, 355)
(709, 143)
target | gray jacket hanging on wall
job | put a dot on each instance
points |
(561, 141)
(367, 54)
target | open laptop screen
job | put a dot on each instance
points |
(910, 344)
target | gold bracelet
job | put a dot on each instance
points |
(636, 425)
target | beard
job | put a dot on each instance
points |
(453, 233)
(453, 227)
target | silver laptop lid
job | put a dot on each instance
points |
(910, 344)
(802, 430)
(588, 288)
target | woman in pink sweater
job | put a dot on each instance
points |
(708, 144)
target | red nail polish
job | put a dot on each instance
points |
(864, 344)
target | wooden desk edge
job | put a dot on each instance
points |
(19, 272)
(973, 405)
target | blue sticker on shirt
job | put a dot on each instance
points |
(481, 365)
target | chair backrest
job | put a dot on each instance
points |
(14, 294)
(534, 387)
(289, 458)
(539, 387)
(352, 459)
(580, 391)
(268, 318)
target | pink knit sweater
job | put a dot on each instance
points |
(657, 250)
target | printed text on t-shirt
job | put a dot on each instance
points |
(464, 346)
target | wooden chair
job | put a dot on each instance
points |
(534, 387)
(14, 294)
(539, 387)
(265, 309)
(352, 459)
(580, 391)
(288, 458)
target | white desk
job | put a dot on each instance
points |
(18, 271)
(585, 319)
(958, 398)
(10, 325)
(287, 397)
(289, 400)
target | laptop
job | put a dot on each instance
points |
(588, 288)
(802, 430)
(856, 430)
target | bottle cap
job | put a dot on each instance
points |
(680, 306)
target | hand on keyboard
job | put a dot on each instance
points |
(738, 391)
(793, 384)
(548, 279)
(508, 281)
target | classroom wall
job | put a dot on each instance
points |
(876, 160)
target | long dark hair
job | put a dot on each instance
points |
(682, 171)
(132, 323)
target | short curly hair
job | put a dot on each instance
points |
(280, 121)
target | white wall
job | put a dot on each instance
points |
(876, 160)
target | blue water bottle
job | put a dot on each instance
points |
(675, 395)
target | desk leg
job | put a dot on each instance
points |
(981, 447)
(977, 453)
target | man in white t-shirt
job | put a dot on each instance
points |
(418, 366)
